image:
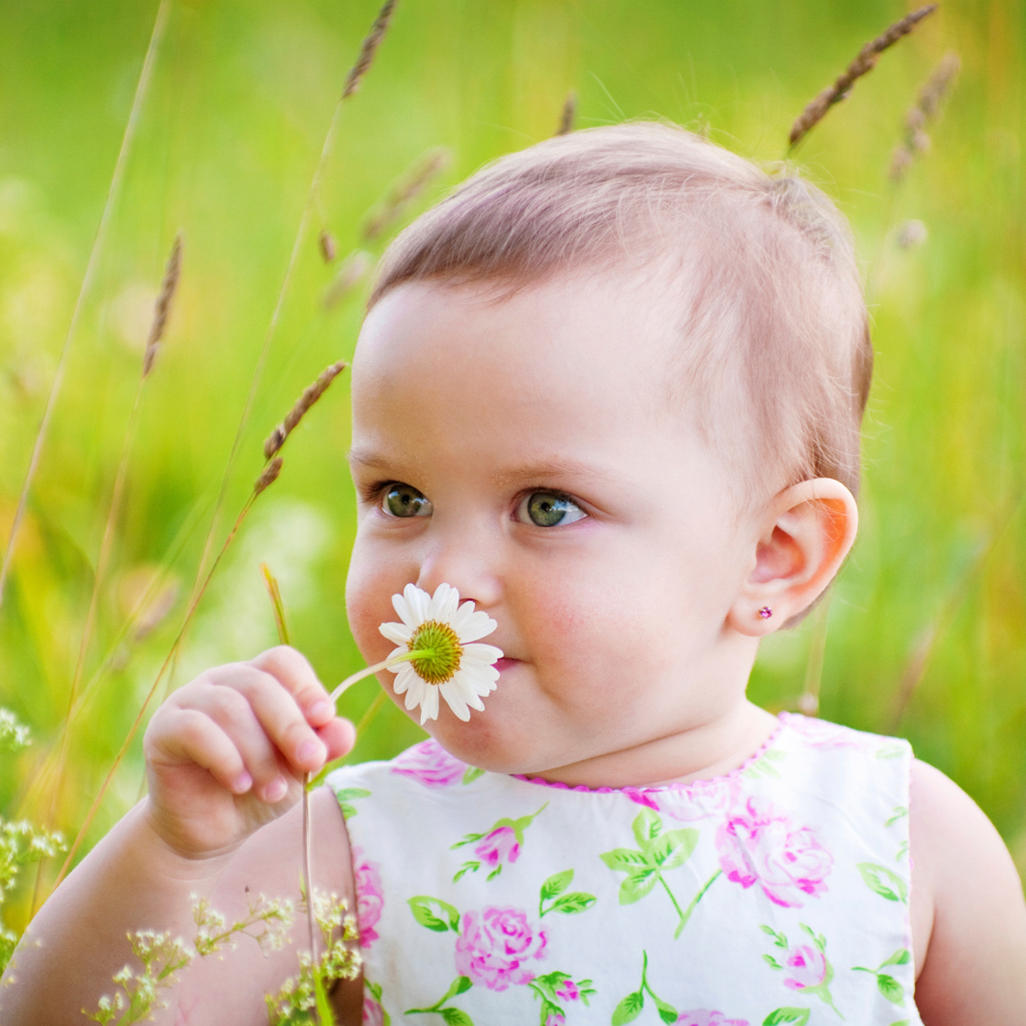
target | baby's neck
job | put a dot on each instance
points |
(706, 751)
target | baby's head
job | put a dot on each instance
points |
(773, 354)
(610, 390)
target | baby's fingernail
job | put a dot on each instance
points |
(322, 709)
(310, 752)
(242, 783)
(276, 790)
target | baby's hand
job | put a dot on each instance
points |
(227, 753)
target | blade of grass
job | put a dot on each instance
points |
(113, 191)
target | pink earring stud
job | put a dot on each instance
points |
(765, 612)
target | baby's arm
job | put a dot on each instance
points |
(966, 889)
(225, 758)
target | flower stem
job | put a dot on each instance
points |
(385, 664)
(686, 915)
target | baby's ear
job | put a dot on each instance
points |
(808, 530)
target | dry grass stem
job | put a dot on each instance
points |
(925, 109)
(353, 270)
(162, 309)
(864, 62)
(269, 476)
(310, 395)
(369, 48)
(414, 182)
(568, 114)
(326, 241)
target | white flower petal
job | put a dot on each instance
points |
(429, 705)
(397, 633)
(480, 655)
(444, 604)
(454, 699)
(471, 625)
(404, 677)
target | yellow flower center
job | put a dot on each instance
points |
(440, 651)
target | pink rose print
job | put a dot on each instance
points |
(700, 1017)
(431, 764)
(688, 803)
(807, 965)
(369, 897)
(758, 845)
(373, 1013)
(497, 847)
(495, 946)
(568, 991)
(555, 1019)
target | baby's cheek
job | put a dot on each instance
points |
(368, 605)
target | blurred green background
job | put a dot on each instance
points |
(924, 632)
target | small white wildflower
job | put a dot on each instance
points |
(13, 735)
(444, 630)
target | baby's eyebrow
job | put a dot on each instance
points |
(550, 469)
(365, 458)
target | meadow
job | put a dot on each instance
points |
(127, 125)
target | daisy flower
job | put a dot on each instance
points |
(438, 653)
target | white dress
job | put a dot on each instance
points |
(775, 894)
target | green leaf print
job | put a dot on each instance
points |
(629, 1009)
(571, 904)
(659, 850)
(624, 860)
(647, 827)
(567, 904)
(470, 774)
(556, 884)
(631, 1006)
(456, 1017)
(900, 957)
(638, 885)
(786, 1015)
(887, 984)
(666, 1012)
(890, 988)
(429, 912)
(884, 882)
(674, 848)
(345, 797)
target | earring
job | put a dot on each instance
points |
(765, 612)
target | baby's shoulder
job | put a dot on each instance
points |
(969, 916)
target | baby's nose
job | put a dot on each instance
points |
(466, 562)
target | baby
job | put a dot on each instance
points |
(610, 391)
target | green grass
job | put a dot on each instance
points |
(227, 142)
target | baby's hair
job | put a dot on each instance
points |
(771, 322)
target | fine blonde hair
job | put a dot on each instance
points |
(774, 351)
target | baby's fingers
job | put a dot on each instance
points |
(186, 736)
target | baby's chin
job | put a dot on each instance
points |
(485, 741)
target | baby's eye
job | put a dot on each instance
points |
(400, 500)
(547, 509)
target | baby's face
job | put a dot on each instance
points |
(526, 451)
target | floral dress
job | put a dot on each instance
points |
(775, 894)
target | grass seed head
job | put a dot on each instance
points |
(310, 396)
(863, 63)
(369, 48)
(162, 309)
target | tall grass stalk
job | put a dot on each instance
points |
(864, 62)
(113, 191)
(310, 207)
